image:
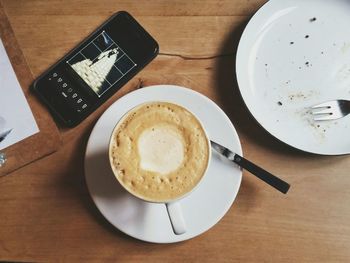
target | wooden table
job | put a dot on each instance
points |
(46, 211)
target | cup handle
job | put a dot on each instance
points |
(176, 217)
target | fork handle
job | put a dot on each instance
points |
(262, 174)
(345, 104)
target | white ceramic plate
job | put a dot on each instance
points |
(294, 54)
(202, 209)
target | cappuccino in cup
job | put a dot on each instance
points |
(159, 151)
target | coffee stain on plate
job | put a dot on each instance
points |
(343, 73)
(313, 19)
(345, 48)
(308, 64)
(318, 129)
(299, 96)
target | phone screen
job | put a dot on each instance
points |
(97, 68)
(101, 63)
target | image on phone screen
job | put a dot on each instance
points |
(101, 63)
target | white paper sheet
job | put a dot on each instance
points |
(16, 118)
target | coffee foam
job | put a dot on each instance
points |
(152, 146)
(159, 151)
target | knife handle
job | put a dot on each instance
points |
(262, 174)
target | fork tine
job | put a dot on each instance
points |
(323, 117)
(326, 104)
(322, 110)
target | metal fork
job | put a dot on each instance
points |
(331, 110)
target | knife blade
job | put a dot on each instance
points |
(259, 172)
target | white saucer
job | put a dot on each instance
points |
(294, 54)
(202, 209)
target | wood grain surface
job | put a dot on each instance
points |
(46, 212)
(47, 140)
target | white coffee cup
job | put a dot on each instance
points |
(132, 175)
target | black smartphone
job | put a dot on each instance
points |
(97, 68)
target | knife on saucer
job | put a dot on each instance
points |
(4, 135)
(259, 172)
